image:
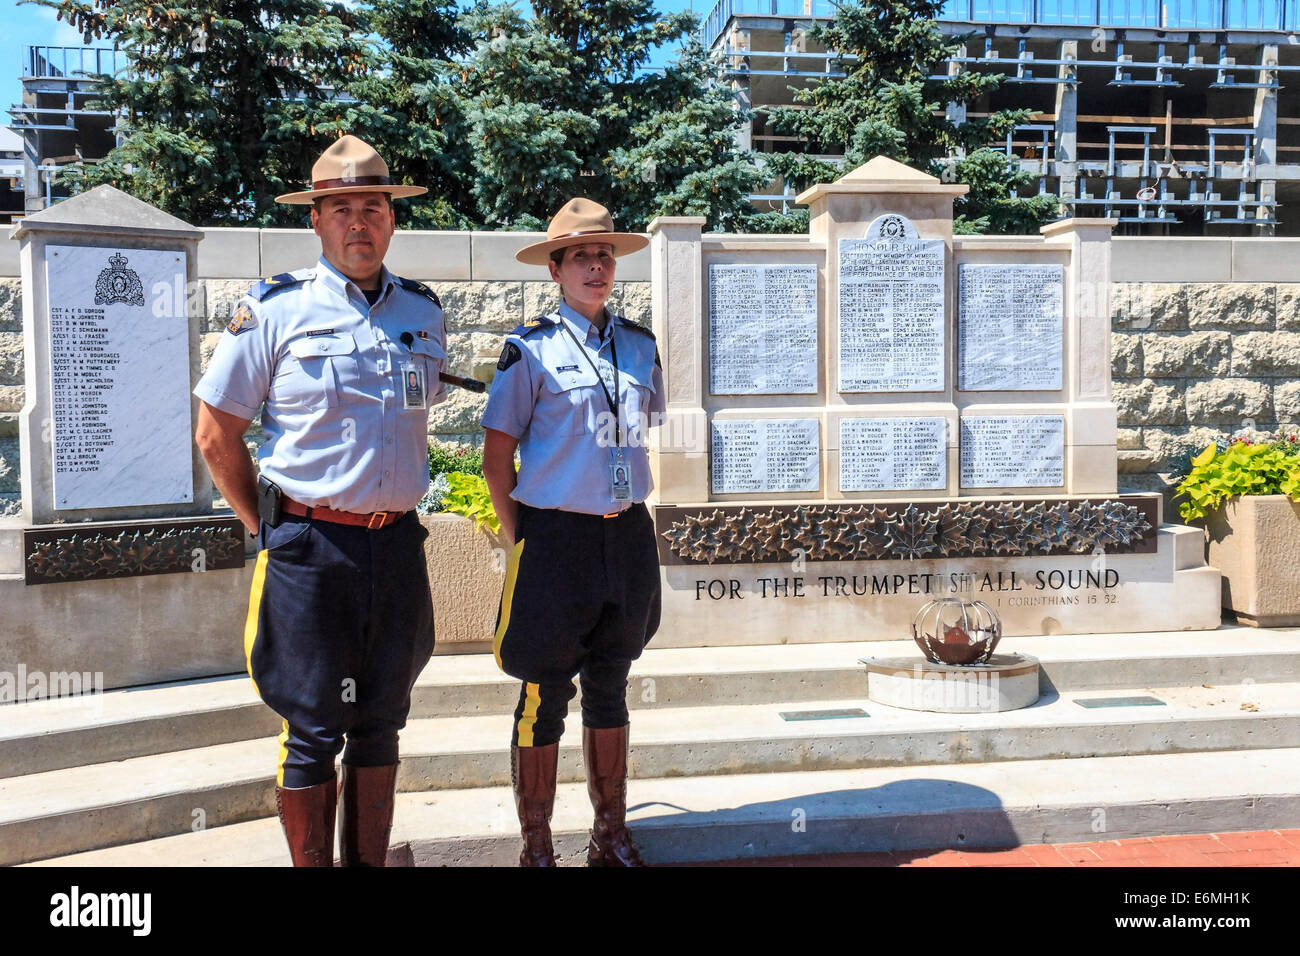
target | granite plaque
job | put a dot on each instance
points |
(891, 287)
(1010, 327)
(119, 377)
(762, 455)
(763, 329)
(893, 454)
(1013, 451)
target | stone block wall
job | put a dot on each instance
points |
(11, 390)
(1197, 361)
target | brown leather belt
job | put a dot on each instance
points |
(372, 521)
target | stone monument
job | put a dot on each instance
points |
(112, 484)
(112, 353)
(882, 413)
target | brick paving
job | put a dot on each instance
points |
(1254, 848)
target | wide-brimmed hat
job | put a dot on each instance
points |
(579, 221)
(350, 165)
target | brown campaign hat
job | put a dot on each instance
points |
(350, 165)
(579, 221)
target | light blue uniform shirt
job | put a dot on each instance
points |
(546, 394)
(328, 368)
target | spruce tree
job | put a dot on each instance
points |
(562, 104)
(888, 104)
(682, 158)
(224, 103)
(421, 139)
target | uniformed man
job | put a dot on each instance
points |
(343, 359)
(575, 392)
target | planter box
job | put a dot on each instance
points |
(466, 571)
(1255, 542)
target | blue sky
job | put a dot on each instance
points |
(25, 26)
(29, 25)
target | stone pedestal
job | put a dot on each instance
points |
(1252, 541)
(1167, 589)
(1006, 682)
(111, 316)
(466, 569)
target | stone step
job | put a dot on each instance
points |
(64, 811)
(837, 811)
(39, 736)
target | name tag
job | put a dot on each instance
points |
(413, 386)
(620, 485)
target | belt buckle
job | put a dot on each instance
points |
(612, 514)
(381, 515)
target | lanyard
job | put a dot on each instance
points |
(613, 354)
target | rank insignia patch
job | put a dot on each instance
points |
(241, 321)
(509, 356)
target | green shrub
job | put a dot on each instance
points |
(462, 458)
(468, 495)
(1243, 468)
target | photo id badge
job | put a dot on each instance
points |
(620, 487)
(412, 386)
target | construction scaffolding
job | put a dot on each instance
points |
(52, 119)
(1172, 117)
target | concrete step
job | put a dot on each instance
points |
(64, 811)
(39, 736)
(838, 811)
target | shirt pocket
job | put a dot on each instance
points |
(317, 371)
(572, 402)
(638, 401)
(429, 356)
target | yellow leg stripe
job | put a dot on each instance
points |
(254, 613)
(507, 597)
(284, 752)
(532, 701)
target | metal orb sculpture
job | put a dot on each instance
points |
(955, 631)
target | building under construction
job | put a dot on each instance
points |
(1175, 117)
(56, 127)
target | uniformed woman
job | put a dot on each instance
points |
(574, 392)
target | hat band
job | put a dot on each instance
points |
(584, 232)
(352, 181)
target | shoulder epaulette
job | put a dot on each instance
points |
(410, 285)
(533, 325)
(628, 323)
(283, 280)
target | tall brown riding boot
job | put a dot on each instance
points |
(307, 815)
(532, 772)
(605, 753)
(366, 798)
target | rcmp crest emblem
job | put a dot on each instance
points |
(117, 283)
(243, 320)
(893, 229)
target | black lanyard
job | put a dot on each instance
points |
(613, 354)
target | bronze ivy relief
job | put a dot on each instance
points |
(89, 552)
(870, 532)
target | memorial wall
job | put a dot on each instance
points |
(884, 413)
